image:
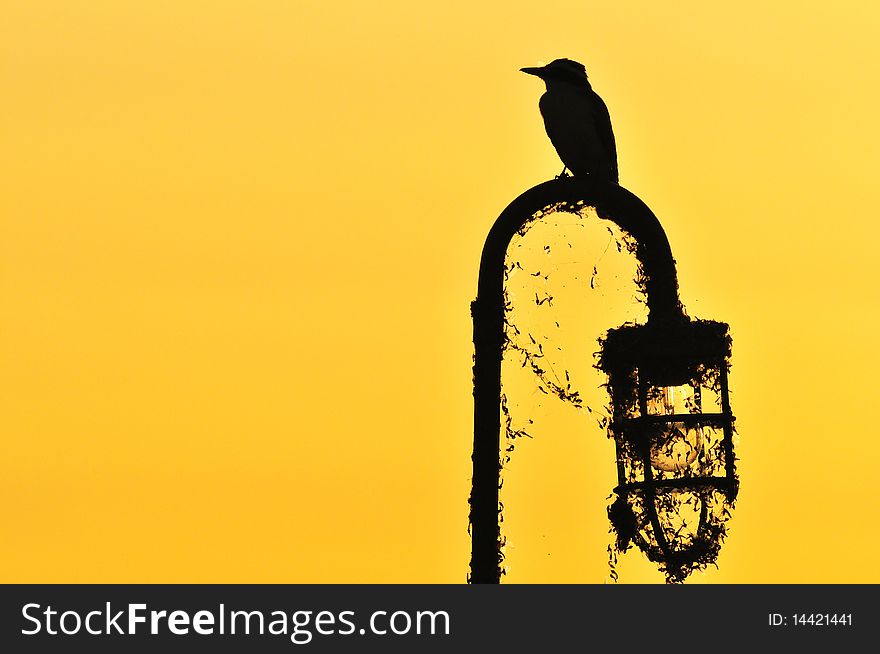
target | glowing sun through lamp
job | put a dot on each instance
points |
(673, 430)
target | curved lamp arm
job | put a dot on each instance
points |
(612, 202)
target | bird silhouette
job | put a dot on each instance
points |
(577, 120)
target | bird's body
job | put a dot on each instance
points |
(577, 120)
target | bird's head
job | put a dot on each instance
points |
(561, 71)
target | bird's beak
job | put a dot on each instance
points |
(533, 71)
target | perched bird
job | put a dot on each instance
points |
(577, 120)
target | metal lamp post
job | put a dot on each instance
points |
(664, 456)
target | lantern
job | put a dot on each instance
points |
(673, 430)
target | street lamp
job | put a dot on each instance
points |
(675, 459)
(673, 430)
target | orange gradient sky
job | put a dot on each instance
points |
(238, 241)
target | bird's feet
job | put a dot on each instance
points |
(564, 173)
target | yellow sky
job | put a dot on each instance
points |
(238, 241)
